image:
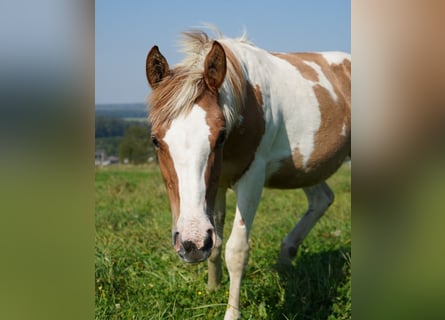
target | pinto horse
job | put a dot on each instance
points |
(232, 115)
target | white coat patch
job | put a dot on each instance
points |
(335, 57)
(343, 130)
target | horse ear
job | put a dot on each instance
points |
(156, 67)
(215, 67)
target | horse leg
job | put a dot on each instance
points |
(319, 198)
(214, 261)
(248, 193)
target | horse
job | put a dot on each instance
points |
(232, 115)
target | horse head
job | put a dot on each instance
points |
(188, 132)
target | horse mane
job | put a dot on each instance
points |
(177, 92)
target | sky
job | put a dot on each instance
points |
(126, 30)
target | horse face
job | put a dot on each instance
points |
(190, 152)
(190, 157)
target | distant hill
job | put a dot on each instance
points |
(128, 111)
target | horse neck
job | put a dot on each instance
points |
(242, 79)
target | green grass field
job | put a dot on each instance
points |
(139, 276)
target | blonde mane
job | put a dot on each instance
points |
(177, 92)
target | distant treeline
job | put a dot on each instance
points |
(107, 127)
(134, 110)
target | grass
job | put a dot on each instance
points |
(139, 276)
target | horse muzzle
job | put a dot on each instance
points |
(194, 251)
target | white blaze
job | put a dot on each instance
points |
(189, 147)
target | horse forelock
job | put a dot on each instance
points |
(177, 93)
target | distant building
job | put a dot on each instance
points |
(101, 158)
(113, 160)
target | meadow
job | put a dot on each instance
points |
(139, 276)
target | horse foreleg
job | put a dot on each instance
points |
(319, 198)
(248, 192)
(214, 261)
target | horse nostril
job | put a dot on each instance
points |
(188, 246)
(175, 238)
(208, 242)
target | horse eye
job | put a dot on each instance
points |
(221, 138)
(155, 141)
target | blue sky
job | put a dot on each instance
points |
(126, 30)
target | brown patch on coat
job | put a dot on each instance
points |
(330, 146)
(244, 138)
(289, 174)
(296, 60)
(342, 73)
(168, 171)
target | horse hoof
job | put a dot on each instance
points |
(288, 253)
